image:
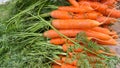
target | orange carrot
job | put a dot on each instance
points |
(112, 12)
(95, 5)
(56, 66)
(61, 14)
(59, 41)
(74, 23)
(73, 33)
(105, 42)
(81, 9)
(66, 46)
(69, 33)
(109, 2)
(98, 35)
(74, 3)
(106, 20)
(68, 66)
(101, 30)
(90, 15)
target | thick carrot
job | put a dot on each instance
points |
(106, 20)
(74, 32)
(66, 46)
(101, 30)
(61, 14)
(81, 9)
(105, 42)
(56, 66)
(74, 3)
(74, 23)
(68, 66)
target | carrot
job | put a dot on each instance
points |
(69, 33)
(95, 5)
(66, 46)
(98, 35)
(109, 2)
(61, 14)
(106, 20)
(69, 61)
(68, 66)
(101, 30)
(59, 41)
(105, 42)
(73, 33)
(81, 9)
(56, 66)
(112, 13)
(74, 23)
(74, 3)
(91, 15)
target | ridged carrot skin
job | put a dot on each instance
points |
(74, 32)
(74, 3)
(81, 9)
(106, 20)
(74, 23)
(61, 14)
(109, 2)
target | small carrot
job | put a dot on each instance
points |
(74, 3)
(74, 23)
(61, 14)
(56, 66)
(81, 9)
(109, 2)
(106, 20)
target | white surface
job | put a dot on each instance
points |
(3, 1)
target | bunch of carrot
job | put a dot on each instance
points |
(90, 16)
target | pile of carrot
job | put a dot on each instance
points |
(90, 16)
